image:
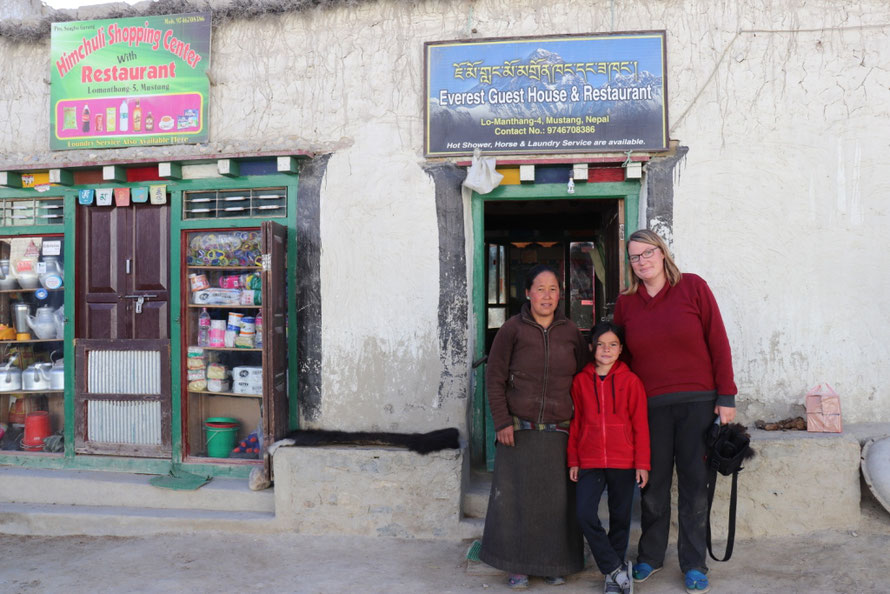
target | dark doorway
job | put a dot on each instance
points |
(578, 238)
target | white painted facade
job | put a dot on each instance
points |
(779, 204)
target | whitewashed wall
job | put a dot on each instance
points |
(780, 203)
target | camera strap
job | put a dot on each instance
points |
(730, 536)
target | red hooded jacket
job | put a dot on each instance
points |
(610, 428)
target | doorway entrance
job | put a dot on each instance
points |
(577, 238)
(518, 227)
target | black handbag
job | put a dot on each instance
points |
(728, 446)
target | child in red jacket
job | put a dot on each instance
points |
(608, 449)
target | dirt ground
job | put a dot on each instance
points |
(823, 562)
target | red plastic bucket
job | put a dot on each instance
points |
(36, 429)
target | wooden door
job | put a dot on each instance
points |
(123, 253)
(122, 328)
(275, 404)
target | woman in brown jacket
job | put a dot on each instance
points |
(530, 527)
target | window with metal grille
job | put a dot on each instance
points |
(263, 203)
(29, 212)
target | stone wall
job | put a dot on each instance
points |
(368, 491)
(797, 483)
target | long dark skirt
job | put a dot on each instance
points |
(531, 526)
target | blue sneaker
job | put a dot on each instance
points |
(642, 571)
(696, 582)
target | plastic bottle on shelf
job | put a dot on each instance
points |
(258, 340)
(204, 328)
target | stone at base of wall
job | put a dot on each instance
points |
(368, 491)
(796, 484)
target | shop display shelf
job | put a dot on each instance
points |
(209, 267)
(21, 290)
(31, 392)
(236, 395)
(231, 306)
(230, 349)
(31, 341)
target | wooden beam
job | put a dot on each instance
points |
(579, 172)
(170, 170)
(10, 179)
(227, 167)
(287, 165)
(62, 177)
(527, 174)
(114, 173)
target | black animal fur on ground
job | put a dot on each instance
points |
(422, 443)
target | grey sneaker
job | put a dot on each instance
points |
(621, 579)
(611, 584)
(610, 587)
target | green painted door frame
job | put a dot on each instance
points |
(481, 446)
(177, 226)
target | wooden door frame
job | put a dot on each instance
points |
(628, 192)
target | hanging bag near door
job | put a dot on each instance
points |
(728, 446)
(482, 176)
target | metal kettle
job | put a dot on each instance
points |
(36, 377)
(44, 323)
(57, 374)
(10, 377)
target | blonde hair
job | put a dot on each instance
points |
(671, 271)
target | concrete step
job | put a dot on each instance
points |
(471, 528)
(475, 506)
(475, 498)
(119, 489)
(69, 520)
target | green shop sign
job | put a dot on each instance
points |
(130, 82)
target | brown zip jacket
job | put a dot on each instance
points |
(530, 369)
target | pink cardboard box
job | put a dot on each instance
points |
(823, 410)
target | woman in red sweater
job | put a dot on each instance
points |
(677, 345)
(608, 450)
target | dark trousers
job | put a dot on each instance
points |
(608, 551)
(677, 435)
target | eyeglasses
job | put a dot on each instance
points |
(644, 255)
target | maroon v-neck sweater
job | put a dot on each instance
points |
(676, 343)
